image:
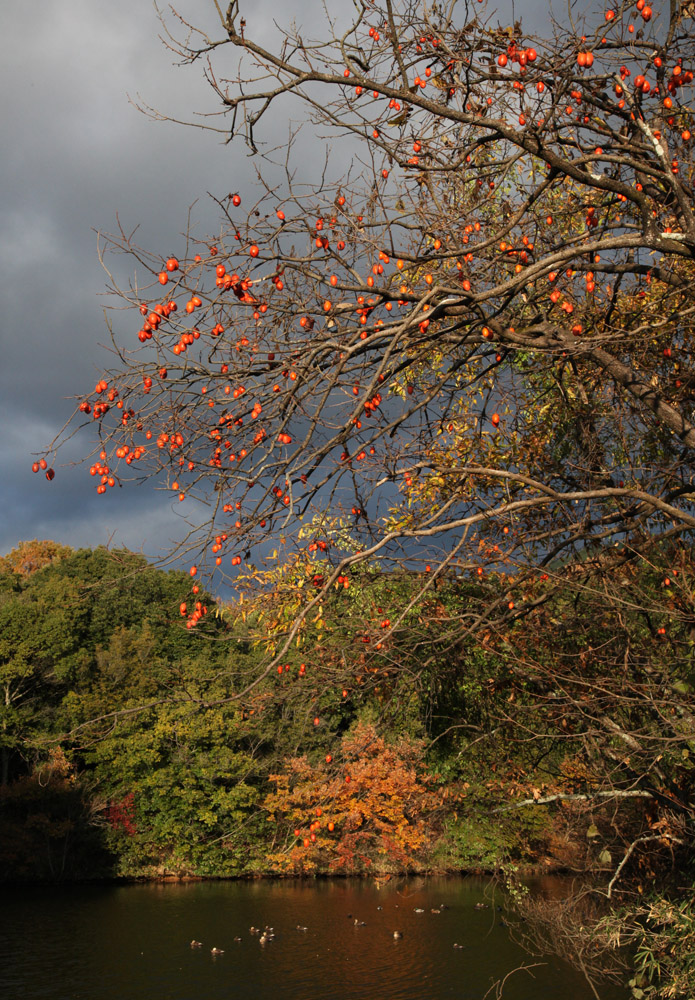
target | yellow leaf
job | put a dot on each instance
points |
(440, 83)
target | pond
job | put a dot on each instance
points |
(132, 942)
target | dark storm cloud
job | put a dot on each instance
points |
(75, 153)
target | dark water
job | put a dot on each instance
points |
(133, 943)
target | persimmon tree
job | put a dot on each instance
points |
(467, 353)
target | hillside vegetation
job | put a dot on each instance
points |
(134, 746)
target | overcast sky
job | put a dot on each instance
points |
(76, 153)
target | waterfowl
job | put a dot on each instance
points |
(263, 938)
(397, 935)
(359, 923)
(418, 909)
(217, 951)
(196, 944)
(458, 945)
(481, 906)
(435, 911)
(300, 928)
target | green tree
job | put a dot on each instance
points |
(40, 618)
(178, 791)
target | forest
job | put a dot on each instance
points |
(135, 747)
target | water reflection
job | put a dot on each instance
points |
(133, 943)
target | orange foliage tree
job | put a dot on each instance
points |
(365, 811)
(28, 557)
